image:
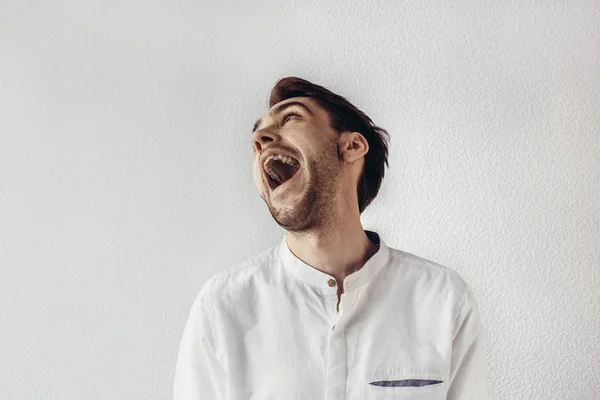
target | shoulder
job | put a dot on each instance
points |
(440, 278)
(432, 283)
(238, 280)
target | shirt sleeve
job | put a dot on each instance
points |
(198, 373)
(467, 379)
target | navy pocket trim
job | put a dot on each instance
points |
(405, 383)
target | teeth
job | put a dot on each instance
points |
(273, 174)
(285, 159)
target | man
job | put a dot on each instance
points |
(331, 312)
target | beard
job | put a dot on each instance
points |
(314, 207)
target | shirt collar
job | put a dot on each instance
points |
(320, 280)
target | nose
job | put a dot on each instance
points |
(261, 137)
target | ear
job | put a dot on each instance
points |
(353, 146)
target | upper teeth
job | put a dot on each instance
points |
(285, 159)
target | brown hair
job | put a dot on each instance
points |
(344, 117)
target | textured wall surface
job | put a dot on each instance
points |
(125, 172)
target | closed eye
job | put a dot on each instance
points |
(289, 115)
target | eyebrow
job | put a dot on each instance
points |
(278, 109)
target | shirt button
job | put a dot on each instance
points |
(331, 282)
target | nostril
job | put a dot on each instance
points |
(261, 140)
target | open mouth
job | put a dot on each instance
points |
(280, 169)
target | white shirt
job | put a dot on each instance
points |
(407, 328)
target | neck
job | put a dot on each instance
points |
(337, 249)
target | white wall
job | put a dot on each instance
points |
(125, 172)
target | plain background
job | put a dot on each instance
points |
(125, 172)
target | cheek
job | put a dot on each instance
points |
(256, 176)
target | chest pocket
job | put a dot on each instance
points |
(415, 383)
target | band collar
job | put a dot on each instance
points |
(321, 280)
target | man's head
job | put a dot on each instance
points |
(337, 155)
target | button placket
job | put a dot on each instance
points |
(336, 372)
